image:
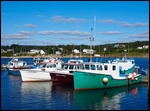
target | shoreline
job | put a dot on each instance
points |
(74, 56)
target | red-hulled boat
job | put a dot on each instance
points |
(65, 74)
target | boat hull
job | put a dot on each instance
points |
(85, 80)
(15, 72)
(34, 75)
(58, 78)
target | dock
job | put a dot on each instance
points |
(145, 79)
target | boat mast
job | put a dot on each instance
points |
(125, 53)
(91, 39)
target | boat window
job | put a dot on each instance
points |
(71, 66)
(44, 65)
(54, 65)
(105, 67)
(64, 66)
(92, 67)
(50, 66)
(132, 62)
(11, 64)
(113, 68)
(87, 67)
(81, 67)
(99, 67)
(77, 67)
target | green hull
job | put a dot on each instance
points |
(84, 80)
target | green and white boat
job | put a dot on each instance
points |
(114, 73)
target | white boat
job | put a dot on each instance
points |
(15, 65)
(45, 60)
(40, 73)
(37, 60)
(3, 67)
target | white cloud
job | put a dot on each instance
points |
(141, 35)
(19, 35)
(31, 26)
(73, 38)
(107, 21)
(137, 24)
(66, 20)
(140, 24)
(125, 24)
(110, 33)
(75, 33)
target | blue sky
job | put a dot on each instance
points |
(70, 22)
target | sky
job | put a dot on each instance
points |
(73, 22)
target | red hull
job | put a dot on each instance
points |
(61, 78)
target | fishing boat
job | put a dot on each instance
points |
(41, 73)
(106, 74)
(114, 73)
(65, 74)
(37, 60)
(44, 60)
(3, 67)
(15, 65)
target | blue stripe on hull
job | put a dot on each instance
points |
(14, 72)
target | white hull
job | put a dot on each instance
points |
(35, 75)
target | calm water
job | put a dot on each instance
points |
(16, 94)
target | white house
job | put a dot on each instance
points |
(76, 51)
(58, 52)
(139, 47)
(88, 51)
(33, 51)
(3, 51)
(145, 47)
(42, 52)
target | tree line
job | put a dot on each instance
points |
(130, 47)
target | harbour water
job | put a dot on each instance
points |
(18, 95)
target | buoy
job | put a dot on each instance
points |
(132, 78)
(105, 80)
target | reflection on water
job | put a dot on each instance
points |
(16, 94)
(62, 97)
(103, 99)
(34, 94)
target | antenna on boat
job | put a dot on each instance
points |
(104, 53)
(125, 53)
(94, 25)
(91, 39)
